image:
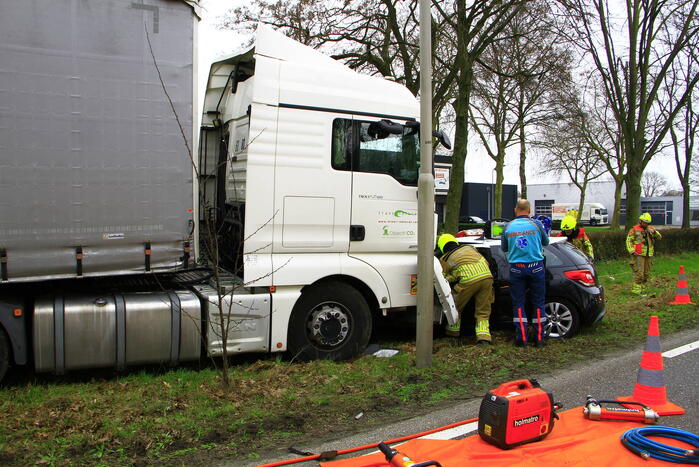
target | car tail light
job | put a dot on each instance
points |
(582, 276)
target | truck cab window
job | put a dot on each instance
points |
(395, 155)
(363, 147)
(342, 144)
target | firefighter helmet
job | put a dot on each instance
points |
(645, 217)
(444, 239)
(568, 223)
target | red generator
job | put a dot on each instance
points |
(516, 413)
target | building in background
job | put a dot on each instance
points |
(477, 199)
(544, 195)
(665, 210)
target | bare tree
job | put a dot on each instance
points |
(694, 177)
(491, 112)
(632, 67)
(473, 26)
(566, 149)
(516, 78)
(653, 184)
(371, 36)
(224, 272)
(602, 133)
(541, 64)
(683, 132)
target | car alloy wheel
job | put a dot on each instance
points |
(562, 320)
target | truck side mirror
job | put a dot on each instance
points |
(442, 138)
(390, 127)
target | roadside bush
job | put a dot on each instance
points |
(612, 244)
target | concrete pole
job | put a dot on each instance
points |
(425, 189)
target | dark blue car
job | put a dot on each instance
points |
(574, 296)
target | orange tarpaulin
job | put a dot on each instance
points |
(573, 441)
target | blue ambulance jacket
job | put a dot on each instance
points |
(523, 238)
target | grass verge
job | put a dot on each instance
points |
(183, 416)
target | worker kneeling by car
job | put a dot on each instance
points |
(469, 269)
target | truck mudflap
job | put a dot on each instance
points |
(446, 300)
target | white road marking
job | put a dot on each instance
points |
(452, 433)
(680, 350)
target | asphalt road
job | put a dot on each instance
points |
(608, 378)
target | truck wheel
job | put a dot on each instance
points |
(4, 353)
(593, 222)
(330, 321)
(563, 319)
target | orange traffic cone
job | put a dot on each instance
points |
(650, 388)
(682, 294)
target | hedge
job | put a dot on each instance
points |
(612, 244)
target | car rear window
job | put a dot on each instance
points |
(577, 256)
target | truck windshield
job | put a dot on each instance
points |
(604, 212)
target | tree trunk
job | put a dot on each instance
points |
(616, 213)
(583, 189)
(499, 177)
(685, 204)
(456, 185)
(633, 193)
(522, 161)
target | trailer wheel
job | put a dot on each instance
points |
(330, 321)
(4, 353)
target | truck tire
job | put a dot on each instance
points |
(4, 353)
(563, 319)
(330, 321)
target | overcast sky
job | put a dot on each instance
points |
(214, 43)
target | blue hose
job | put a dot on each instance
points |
(636, 441)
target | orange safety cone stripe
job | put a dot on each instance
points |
(652, 361)
(650, 387)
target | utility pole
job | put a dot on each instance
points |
(425, 195)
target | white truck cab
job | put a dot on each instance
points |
(317, 166)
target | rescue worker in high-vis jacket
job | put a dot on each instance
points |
(639, 243)
(469, 269)
(576, 235)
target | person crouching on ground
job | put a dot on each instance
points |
(469, 269)
(576, 236)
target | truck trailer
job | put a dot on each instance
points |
(131, 235)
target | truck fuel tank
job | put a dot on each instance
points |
(88, 331)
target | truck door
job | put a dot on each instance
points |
(385, 169)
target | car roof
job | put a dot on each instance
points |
(488, 242)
